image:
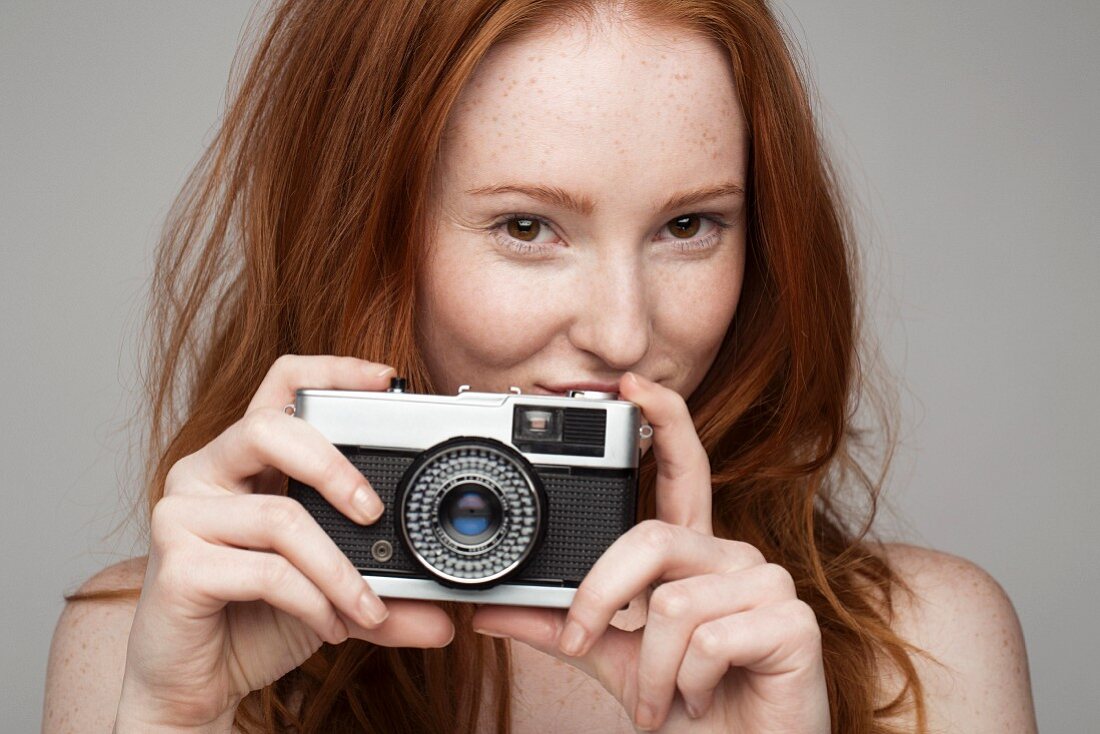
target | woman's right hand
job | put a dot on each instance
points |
(242, 586)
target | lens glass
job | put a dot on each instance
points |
(470, 514)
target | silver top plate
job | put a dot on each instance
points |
(414, 422)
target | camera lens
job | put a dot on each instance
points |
(470, 514)
(472, 511)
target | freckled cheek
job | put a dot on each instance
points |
(696, 308)
(495, 315)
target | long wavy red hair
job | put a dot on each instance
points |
(300, 230)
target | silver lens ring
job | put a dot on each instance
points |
(509, 511)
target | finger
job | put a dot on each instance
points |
(683, 490)
(292, 372)
(650, 551)
(216, 575)
(410, 624)
(281, 524)
(607, 662)
(772, 640)
(676, 609)
(269, 438)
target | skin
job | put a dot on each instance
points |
(723, 643)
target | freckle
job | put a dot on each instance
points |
(532, 80)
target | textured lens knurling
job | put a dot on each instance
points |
(503, 471)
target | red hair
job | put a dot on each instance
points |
(298, 233)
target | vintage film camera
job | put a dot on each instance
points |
(490, 498)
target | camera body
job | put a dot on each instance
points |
(492, 498)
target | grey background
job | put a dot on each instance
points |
(966, 131)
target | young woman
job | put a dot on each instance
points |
(622, 196)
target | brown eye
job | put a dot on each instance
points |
(685, 226)
(524, 229)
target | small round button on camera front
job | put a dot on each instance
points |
(381, 551)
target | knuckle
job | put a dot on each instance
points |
(284, 364)
(281, 515)
(257, 427)
(777, 577)
(177, 568)
(334, 470)
(748, 553)
(163, 522)
(178, 473)
(671, 601)
(587, 596)
(677, 406)
(656, 534)
(707, 641)
(702, 457)
(802, 621)
(547, 628)
(335, 565)
(273, 571)
(352, 363)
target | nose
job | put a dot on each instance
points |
(612, 317)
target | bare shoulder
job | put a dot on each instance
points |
(88, 652)
(976, 675)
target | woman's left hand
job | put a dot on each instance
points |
(723, 627)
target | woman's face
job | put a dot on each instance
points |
(589, 214)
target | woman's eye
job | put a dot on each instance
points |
(524, 229)
(686, 226)
(685, 231)
(522, 232)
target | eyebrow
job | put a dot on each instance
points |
(562, 199)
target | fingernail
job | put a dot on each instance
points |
(632, 379)
(367, 505)
(645, 716)
(387, 371)
(692, 709)
(490, 633)
(572, 639)
(372, 610)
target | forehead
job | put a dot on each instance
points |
(576, 104)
